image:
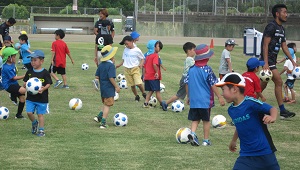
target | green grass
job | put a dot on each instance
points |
(74, 141)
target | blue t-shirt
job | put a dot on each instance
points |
(200, 80)
(255, 139)
(105, 71)
(8, 73)
(25, 54)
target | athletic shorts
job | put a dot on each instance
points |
(181, 93)
(152, 85)
(59, 70)
(40, 108)
(196, 114)
(14, 90)
(133, 76)
(290, 83)
(264, 162)
(108, 101)
(272, 60)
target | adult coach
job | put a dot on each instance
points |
(4, 28)
(104, 31)
(273, 39)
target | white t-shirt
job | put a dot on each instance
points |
(290, 66)
(132, 57)
(223, 69)
(189, 62)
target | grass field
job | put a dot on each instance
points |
(74, 141)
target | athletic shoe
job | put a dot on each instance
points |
(41, 133)
(65, 87)
(286, 114)
(96, 84)
(206, 143)
(97, 119)
(34, 127)
(58, 82)
(137, 98)
(13, 99)
(144, 95)
(164, 106)
(103, 126)
(19, 117)
(193, 140)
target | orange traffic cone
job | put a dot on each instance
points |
(211, 43)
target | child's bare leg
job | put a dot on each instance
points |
(158, 96)
(54, 76)
(148, 96)
(31, 116)
(206, 129)
(141, 88)
(286, 94)
(194, 125)
(172, 99)
(293, 94)
(64, 77)
(133, 89)
(41, 120)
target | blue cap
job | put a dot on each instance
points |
(37, 53)
(252, 63)
(135, 35)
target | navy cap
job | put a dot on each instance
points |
(37, 53)
(252, 63)
(126, 38)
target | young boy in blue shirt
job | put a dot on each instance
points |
(38, 102)
(250, 117)
(24, 51)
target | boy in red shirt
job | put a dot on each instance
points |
(58, 61)
(252, 87)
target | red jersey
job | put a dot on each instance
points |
(252, 84)
(60, 48)
(149, 69)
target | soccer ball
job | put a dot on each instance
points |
(296, 73)
(218, 121)
(120, 77)
(162, 88)
(123, 84)
(182, 135)
(75, 104)
(120, 119)
(265, 75)
(152, 101)
(84, 66)
(17, 46)
(33, 85)
(116, 97)
(177, 106)
(4, 113)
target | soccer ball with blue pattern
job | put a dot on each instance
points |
(162, 88)
(296, 73)
(120, 77)
(4, 113)
(120, 119)
(84, 66)
(182, 135)
(123, 84)
(177, 106)
(33, 85)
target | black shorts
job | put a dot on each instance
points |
(196, 114)
(272, 60)
(59, 70)
(290, 83)
(14, 90)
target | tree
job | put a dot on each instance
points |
(20, 11)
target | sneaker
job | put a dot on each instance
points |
(146, 105)
(97, 119)
(137, 98)
(41, 133)
(58, 82)
(96, 84)
(164, 106)
(65, 87)
(103, 126)
(144, 95)
(286, 114)
(19, 117)
(34, 127)
(194, 140)
(206, 143)
(13, 99)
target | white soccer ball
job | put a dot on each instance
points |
(182, 135)
(17, 46)
(265, 75)
(162, 88)
(75, 104)
(123, 84)
(177, 106)
(296, 73)
(219, 121)
(84, 66)
(4, 112)
(153, 101)
(116, 97)
(120, 119)
(120, 77)
(33, 85)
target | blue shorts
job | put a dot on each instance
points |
(290, 83)
(40, 108)
(264, 162)
(197, 114)
(152, 85)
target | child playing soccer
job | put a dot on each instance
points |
(38, 103)
(58, 61)
(106, 73)
(24, 51)
(189, 49)
(200, 89)
(225, 62)
(10, 78)
(136, 37)
(250, 117)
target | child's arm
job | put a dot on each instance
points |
(229, 64)
(163, 67)
(113, 82)
(52, 58)
(272, 117)
(29, 51)
(282, 60)
(283, 70)
(261, 96)
(43, 88)
(18, 77)
(119, 65)
(232, 145)
(96, 54)
(156, 76)
(216, 91)
(69, 54)
(187, 94)
(142, 63)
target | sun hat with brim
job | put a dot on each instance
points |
(108, 52)
(235, 79)
(252, 63)
(203, 52)
(36, 54)
(135, 35)
(7, 52)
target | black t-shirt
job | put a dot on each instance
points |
(277, 34)
(99, 23)
(45, 77)
(103, 40)
(4, 30)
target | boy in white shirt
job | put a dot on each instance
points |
(225, 62)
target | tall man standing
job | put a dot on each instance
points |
(4, 28)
